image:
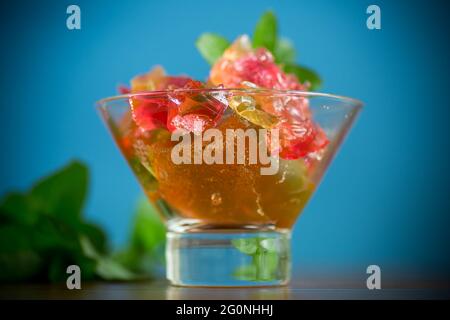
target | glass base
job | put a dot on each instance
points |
(231, 258)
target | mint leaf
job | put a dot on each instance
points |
(246, 245)
(18, 208)
(40, 230)
(145, 252)
(211, 46)
(57, 267)
(62, 196)
(63, 193)
(266, 264)
(284, 51)
(304, 74)
(51, 236)
(247, 272)
(265, 34)
(265, 258)
(270, 244)
(18, 259)
(109, 269)
(88, 249)
(148, 232)
(95, 234)
(106, 268)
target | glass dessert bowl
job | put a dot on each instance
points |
(229, 171)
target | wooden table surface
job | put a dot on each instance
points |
(312, 287)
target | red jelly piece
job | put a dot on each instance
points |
(301, 138)
(150, 112)
(260, 69)
(257, 67)
(123, 89)
(188, 122)
(299, 135)
(320, 140)
(194, 111)
(175, 82)
(295, 139)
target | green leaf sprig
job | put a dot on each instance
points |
(268, 257)
(42, 231)
(145, 251)
(211, 46)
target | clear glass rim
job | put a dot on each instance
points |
(273, 92)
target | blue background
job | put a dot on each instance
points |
(384, 200)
